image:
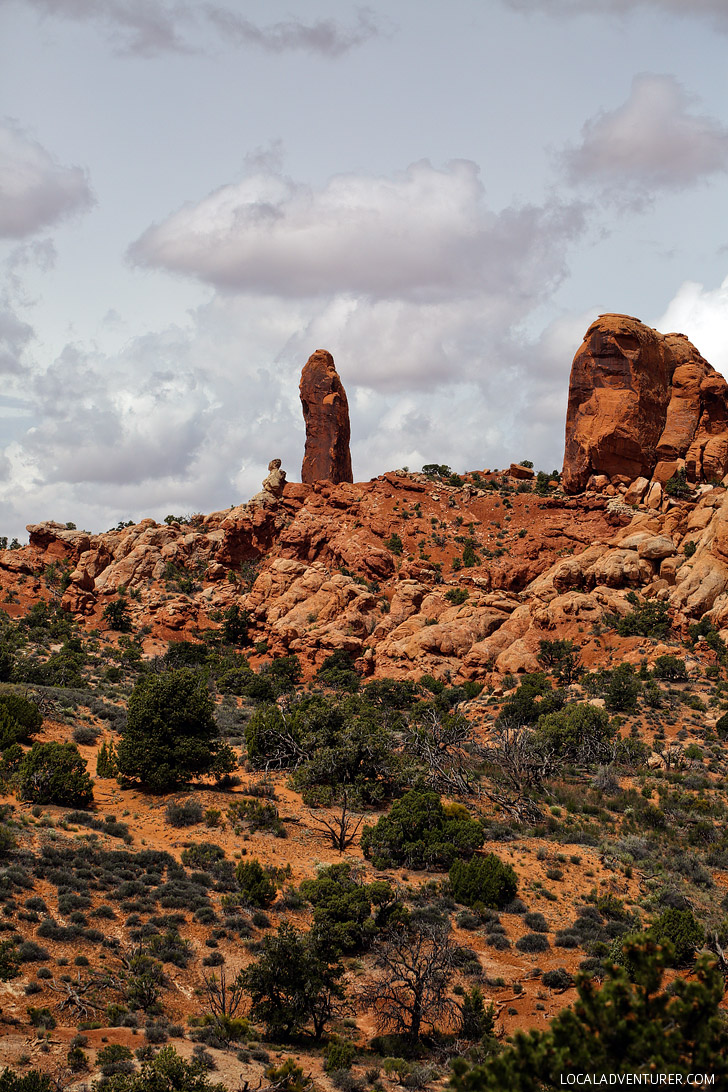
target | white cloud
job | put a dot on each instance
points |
(35, 190)
(713, 10)
(702, 315)
(652, 141)
(148, 28)
(326, 37)
(425, 235)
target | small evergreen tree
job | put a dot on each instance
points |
(293, 985)
(106, 760)
(485, 880)
(116, 613)
(255, 883)
(171, 735)
(54, 773)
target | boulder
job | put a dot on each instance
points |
(657, 548)
(636, 491)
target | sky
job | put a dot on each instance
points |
(194, 197)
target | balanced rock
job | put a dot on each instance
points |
(642, 404)
(326, 413)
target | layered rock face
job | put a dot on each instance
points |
(326, 413)
(642, 405)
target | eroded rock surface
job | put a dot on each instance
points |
(326, 413)
(641, 406)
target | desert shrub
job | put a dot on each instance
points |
(670, 667)
(107, 764)
(457, 596)
(536, 922)
(339, 1054)
(338, 672)
(562, 658)
(185, 814)
(420, 832)
(533, 698)
(485, 880)
(41, 1018)
(678, 485)
(682, 930)
(648, 618)
(342, 917)
(9, 960)
(532, 942)
(29, 1082)
(256, 816)
(115, 1058)
(256, 885)
(116, 615)
(202, 855)
(623, 689)
(580, 732)
(557, 979)
(20, 719)
(292, 984)
(32, 952)
(86, 734)
(54, 773)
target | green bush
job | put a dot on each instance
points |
(486, 880)
(19, 719)
(342, 917)
(670, 667)
(648, 618)
(577, 732)
(116, 614)
(623, 690)
(420, 832)
(170, 735)
(54, 773)
(533, 942)
(678, 486)
(29, 1082)
(683, 931)
(339, 1054)
(186, 814)
(292, 984)
(257, 886)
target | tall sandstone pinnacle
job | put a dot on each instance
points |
(326, 413)
(643, 404)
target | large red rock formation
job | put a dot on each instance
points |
(641, 404)
(326, 413)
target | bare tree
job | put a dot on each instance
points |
(445, 744)
(223, 998)
(520, 767)
(408, 995)
(341, 827)
(78, 996)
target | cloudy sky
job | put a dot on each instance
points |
(194, 196)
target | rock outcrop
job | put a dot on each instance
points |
(273, 485)
(326, 413)
(641, 406)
